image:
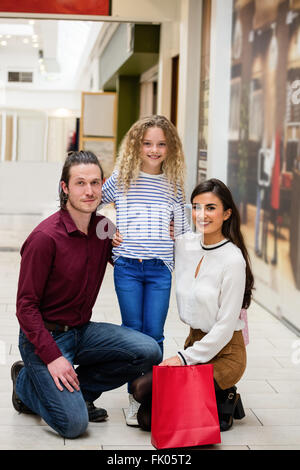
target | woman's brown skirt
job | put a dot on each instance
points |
(229, 363)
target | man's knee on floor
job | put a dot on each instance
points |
(74, 425)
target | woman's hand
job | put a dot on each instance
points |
(117, 239)
(171, 361)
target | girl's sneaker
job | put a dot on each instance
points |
(131, 415)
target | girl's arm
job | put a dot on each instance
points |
(109, 190)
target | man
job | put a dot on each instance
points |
(62, 268)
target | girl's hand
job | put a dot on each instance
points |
(171, 361)
(117, 239)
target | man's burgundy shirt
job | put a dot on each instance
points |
(60, 276)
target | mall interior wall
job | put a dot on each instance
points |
(180, 30)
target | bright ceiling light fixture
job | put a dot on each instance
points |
(62, 112)
(13, 29)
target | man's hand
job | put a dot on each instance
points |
(171, 361)
(117, 239)
(62, 371)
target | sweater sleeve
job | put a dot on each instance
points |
(231, 300)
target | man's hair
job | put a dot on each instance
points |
(75, 158)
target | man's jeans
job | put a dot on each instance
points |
(108, 356)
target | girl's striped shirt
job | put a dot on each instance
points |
(143, 217)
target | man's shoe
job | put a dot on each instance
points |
(96, 415)
(17, 403)
(131, 415)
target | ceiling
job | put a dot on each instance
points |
(53, 49)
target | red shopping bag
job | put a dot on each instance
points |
(184, 408)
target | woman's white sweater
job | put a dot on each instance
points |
(212, 300)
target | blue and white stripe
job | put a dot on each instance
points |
(143, 217)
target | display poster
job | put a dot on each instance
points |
(264, 151)
(61, 7)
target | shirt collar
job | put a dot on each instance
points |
(216, 245)
(70, 224)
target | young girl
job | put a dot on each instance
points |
(213, 282)
(147, 188)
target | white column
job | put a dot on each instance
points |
(189, 86)
(45, 155)
(3, 137)
(14, 137)
(167, 50)
(219, 90)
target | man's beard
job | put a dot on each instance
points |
(80, 207)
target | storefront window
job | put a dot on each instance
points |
(264, 150)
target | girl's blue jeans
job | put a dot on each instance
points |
(143, 290)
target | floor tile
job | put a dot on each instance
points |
(149, 447)
(278, 417)
(282, 386)
(271, 401)
(104, 434)
(15, 437)
(262, 435)
(270, 447)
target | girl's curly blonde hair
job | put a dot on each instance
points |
(129, 160)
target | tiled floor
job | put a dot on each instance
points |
(270, 388)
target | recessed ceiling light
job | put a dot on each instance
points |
(3, 43)
(26, 40)
(16, 29)
(35, 45)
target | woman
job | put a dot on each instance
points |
(213, 282)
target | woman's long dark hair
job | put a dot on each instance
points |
(231, 228)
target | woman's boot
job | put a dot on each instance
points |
(230, 406)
